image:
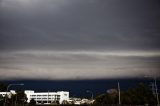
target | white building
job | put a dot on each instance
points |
(47, 97)
(42, 97)
(12, 92)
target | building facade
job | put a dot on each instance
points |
(43, 97)
(47, 97)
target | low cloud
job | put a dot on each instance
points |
(60, 65)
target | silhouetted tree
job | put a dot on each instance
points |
(100, 99)
(32, 102)
(140, 95)
(1, 100)
(20, 98)
(3, 87)
(107, 98)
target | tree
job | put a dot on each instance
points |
(32, 102)
(18, 99)
(3, 87)
(55, 102)
(140, 95)
(99, 99)
(1, 100)
(144, 95)
(105, 99)
(21, 97)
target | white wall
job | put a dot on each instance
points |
(63, 95)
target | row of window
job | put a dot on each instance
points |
(46, 98)
(45, 95)
(43, 98)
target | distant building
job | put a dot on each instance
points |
(79, 101)
(43, 97)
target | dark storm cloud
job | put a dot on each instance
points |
(93, 24)
(69, 39)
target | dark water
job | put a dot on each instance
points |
(78, 88)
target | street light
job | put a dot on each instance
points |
(8, 88)
(155, 83)
(119, 94)
(88, 91)
(156, 89)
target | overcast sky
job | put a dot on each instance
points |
(79, 39)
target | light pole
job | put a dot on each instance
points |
(119, 93)
(7, 91)
(155, 83)
(88, 91)
(156, 89)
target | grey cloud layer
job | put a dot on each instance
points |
(77, 64)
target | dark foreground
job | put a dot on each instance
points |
(91, 105)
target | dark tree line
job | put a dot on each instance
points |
(18, 99)
(3, 87)
(140, 95)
